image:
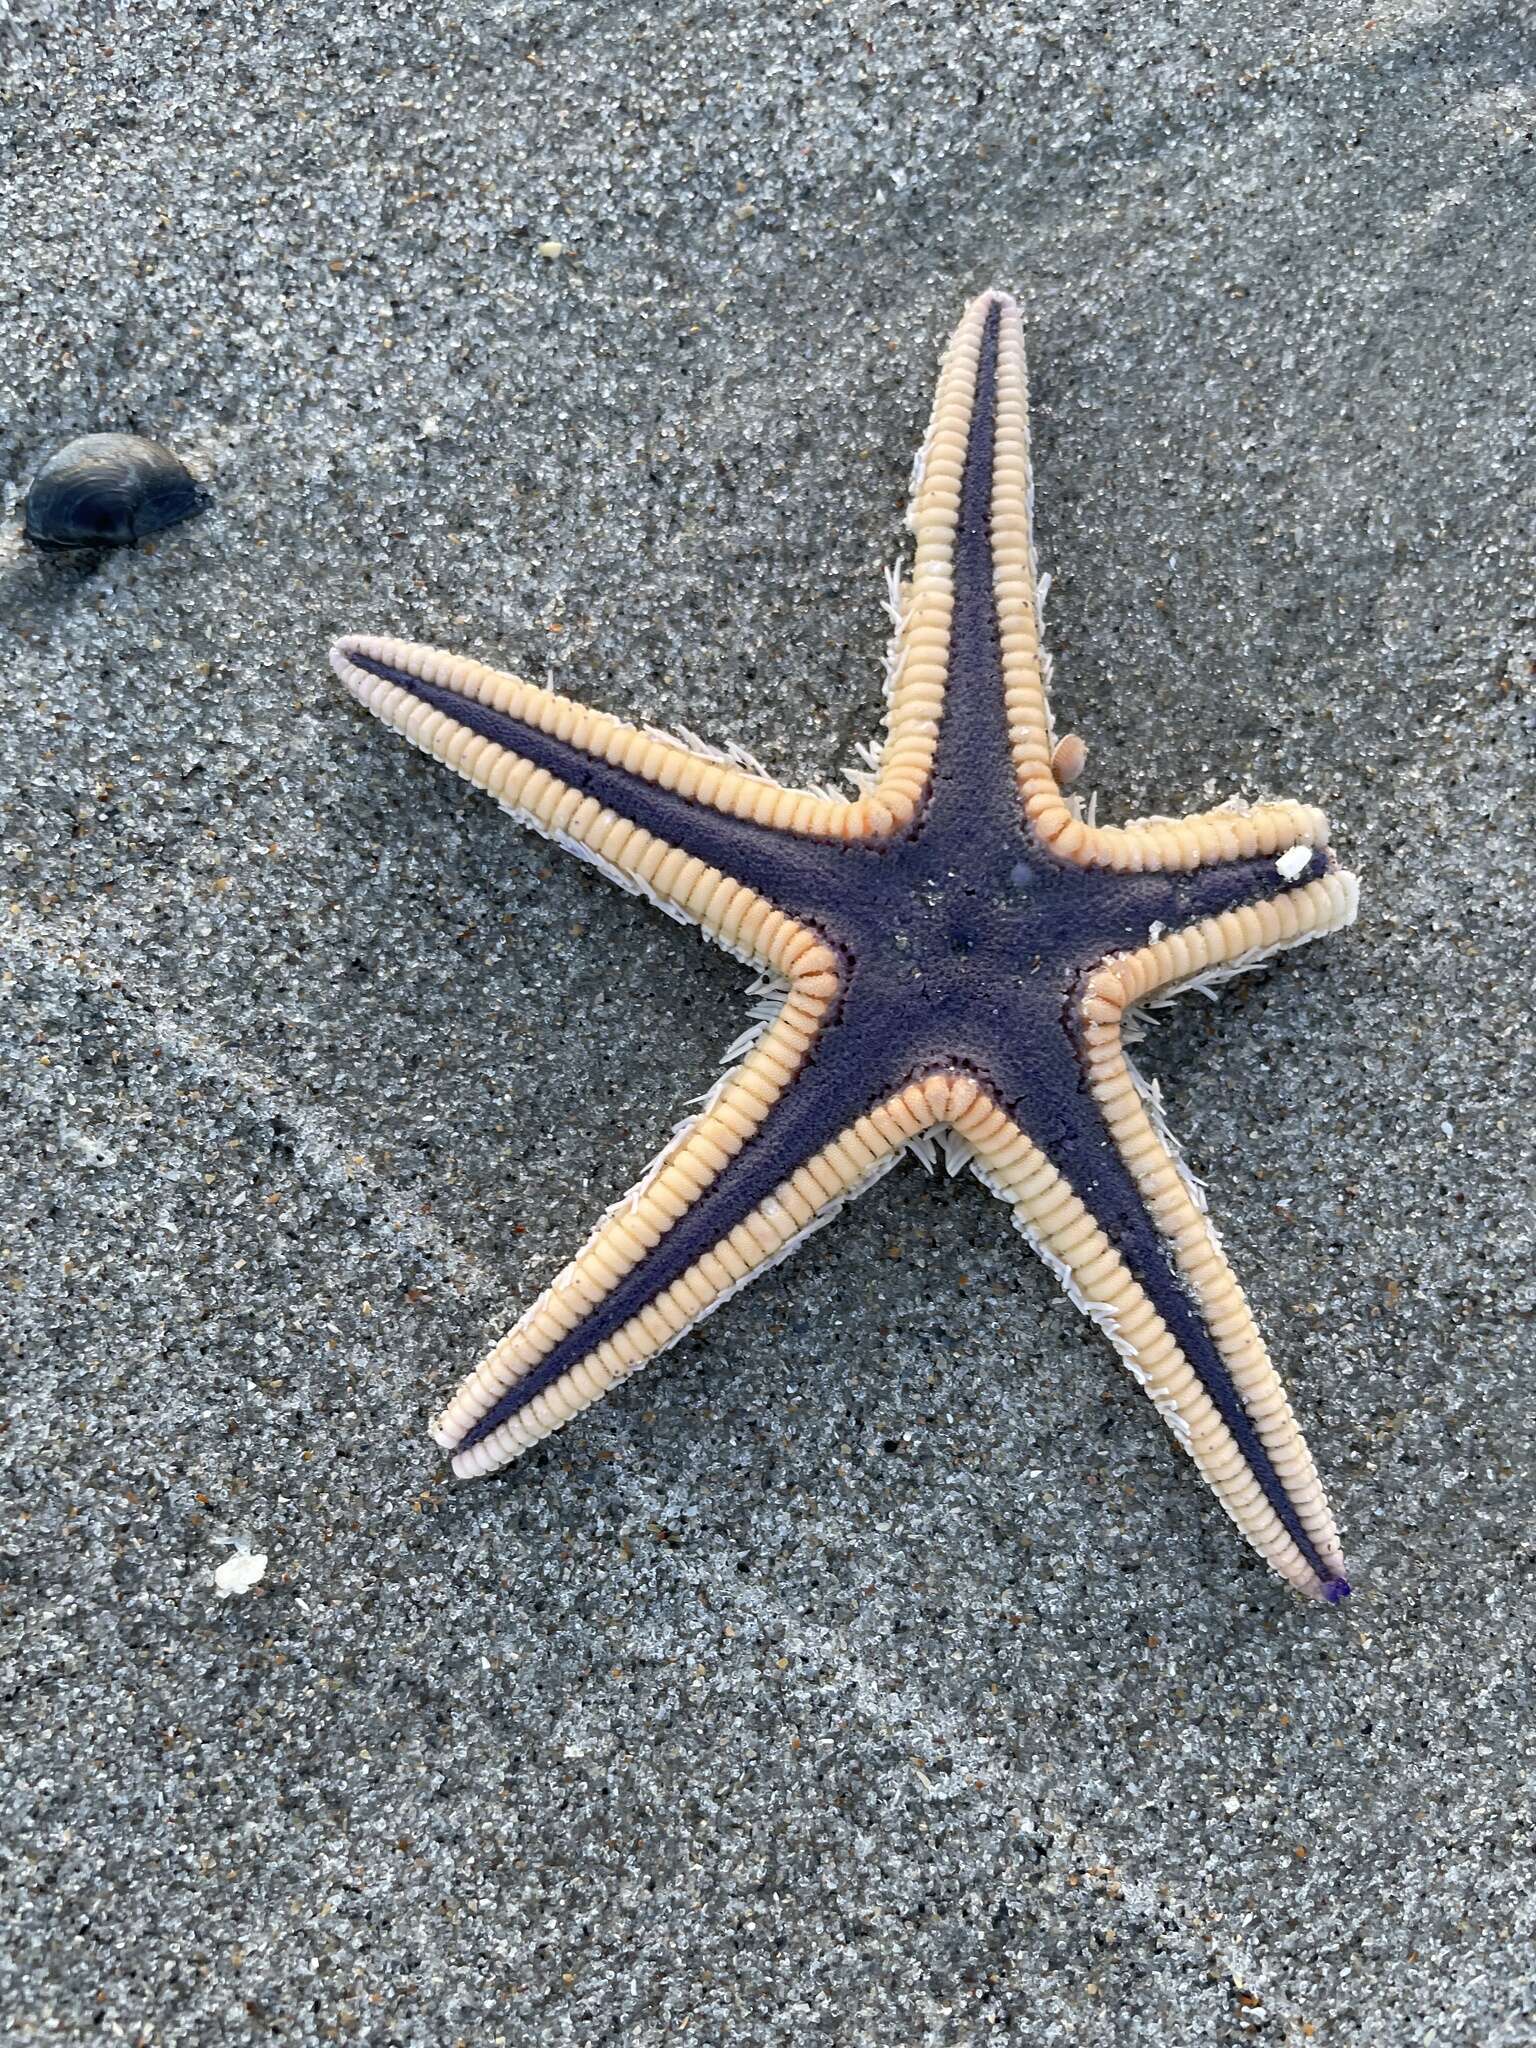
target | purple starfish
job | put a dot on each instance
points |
(954, 950)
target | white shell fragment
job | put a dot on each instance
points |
(240, 1572)
(1294, 861)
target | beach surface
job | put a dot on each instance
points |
(874, 1669)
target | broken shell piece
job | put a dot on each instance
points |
(240, 1572)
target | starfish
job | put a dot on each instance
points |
(954, 950)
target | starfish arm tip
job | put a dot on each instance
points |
(345, 646)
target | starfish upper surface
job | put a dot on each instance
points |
(956, 950)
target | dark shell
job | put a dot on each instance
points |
(108, 491)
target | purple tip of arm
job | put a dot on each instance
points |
(1335, 1591)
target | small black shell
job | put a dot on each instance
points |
(108, 491)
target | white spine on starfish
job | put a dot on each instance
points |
(895, 606)
(959, 1153)
(765, 999)
(632, 885)
(1152, 1101)
(728, 753)
(924, 1149)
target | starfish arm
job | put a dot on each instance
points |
(1260, 1469)
(673, 1251)
(649, 814)
(640, 757)
(918, 662)
(1296, 1532)
(1228, 833)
